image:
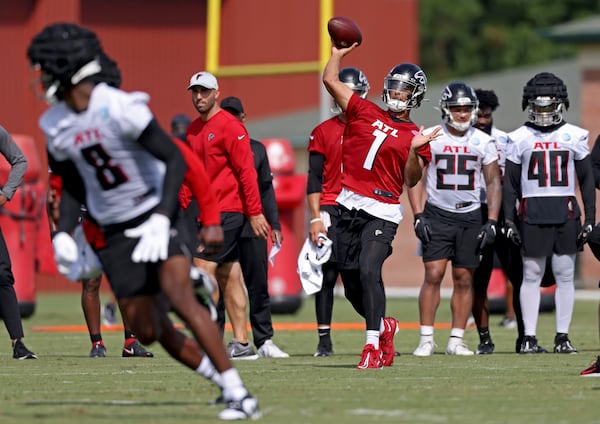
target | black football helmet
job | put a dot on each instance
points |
(458, 94)
(404, 77)
(544, 97)
(66, 54)
(356, 80)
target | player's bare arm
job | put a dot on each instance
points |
(338, 90)
(413, 169)
(493, 187)
(417, 196)
(316, 225)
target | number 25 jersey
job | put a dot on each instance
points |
(547, 159)
(454, 176)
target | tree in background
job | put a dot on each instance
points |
(463, 37)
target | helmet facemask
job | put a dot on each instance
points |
(458, 95)
(545, 97)
(545, 111)
(393, 86)
(449, 118)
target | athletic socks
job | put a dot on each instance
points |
(207, 370)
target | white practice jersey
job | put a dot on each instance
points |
(501, 142)
(547, 159)
(454, 178)
(122, 179)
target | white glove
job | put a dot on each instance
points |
(88, 265)
(65, 252)
(154, 239)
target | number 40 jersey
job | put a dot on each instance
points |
(547, 159)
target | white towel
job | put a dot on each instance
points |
(87, 265)
(311, 258)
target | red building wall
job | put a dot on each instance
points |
(159, 44)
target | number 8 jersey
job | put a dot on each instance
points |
(122, 179)
(547, 159)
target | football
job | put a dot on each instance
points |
(343, 31)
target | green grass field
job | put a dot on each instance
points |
(65, 386)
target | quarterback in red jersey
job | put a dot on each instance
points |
(382, 149)
(323, 187)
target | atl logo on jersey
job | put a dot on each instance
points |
(385, 128)
(88, 136)
(546, 145)
(456, 149)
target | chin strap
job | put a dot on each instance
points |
(87, 70)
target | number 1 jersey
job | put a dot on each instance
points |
(374, 151)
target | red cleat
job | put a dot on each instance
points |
(386, 341)
(593, 370)
(370, 358)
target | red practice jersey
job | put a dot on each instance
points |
(196, 184)
(223, 144)
(375, 150)
(326, 139)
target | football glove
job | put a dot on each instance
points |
(422, 229)
(583, 235)
(154, 239)
(486, 236)
(204, 287)
(65, 252)
(512, 233)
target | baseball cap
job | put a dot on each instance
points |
(204, 79)
(232, 103)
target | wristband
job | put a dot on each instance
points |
(312, 221)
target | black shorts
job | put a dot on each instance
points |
(128, 278)
(356, 228)
(334, 214)
(453, 237)
(544, 240)
(232, 223)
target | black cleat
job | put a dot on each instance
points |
(135, 349)
(530, 345)
(98, 350)
(485, 348)
(323, 349)
(562, 344)
(21, 352)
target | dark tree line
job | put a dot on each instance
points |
(464, 37)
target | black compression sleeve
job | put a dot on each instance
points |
(585, 175)
(511, 189)
(314, 182)
(162, 147)
(596, 162)
(72, 194)
(265, 184)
